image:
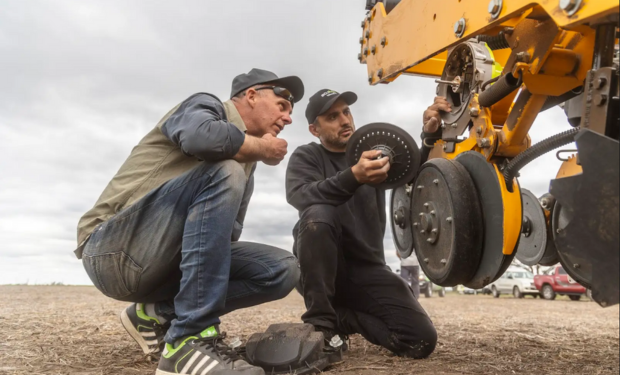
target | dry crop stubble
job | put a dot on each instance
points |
(75, 330)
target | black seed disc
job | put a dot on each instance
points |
(400, 209)
(447, 224)
(395, 143)
(533, 242)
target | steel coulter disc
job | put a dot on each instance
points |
(533, 243)
(578, 268)
(447, 224)
(493, 263)
(400, 209)
(551, 256)
(394, 143)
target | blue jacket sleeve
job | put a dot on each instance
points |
(200, 128)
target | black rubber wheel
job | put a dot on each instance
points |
(548, 293)
(447, 224)
(428, 293)
(400, 218)
(442, 293)
(575, 298)
(495, 292)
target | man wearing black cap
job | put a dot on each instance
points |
(165, 232)
(346, 284)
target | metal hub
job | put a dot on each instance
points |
(447, 222)
(394, 143)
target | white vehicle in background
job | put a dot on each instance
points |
(516, 281)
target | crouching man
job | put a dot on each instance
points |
(164, 233)
(345, 282)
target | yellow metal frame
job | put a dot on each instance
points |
(417, 35)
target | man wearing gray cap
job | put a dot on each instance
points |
(165, 232)
(346, 284)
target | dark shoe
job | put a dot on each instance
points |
(146, 330)
(205, 354)
(335, 344)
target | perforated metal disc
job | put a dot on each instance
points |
(400, 209)
(393, 142)
(533, 243)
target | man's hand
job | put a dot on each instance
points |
(275, 149)
(369, 170)
(432, 117)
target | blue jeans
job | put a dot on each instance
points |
(178, 247)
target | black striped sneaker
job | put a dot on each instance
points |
(205, 354)
(146, 330)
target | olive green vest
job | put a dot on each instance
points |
(153, 162)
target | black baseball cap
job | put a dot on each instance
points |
(258, 76)
(323, 100)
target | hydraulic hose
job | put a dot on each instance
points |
(535, 152)
(501, 89)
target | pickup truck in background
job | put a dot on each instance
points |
(557, 282)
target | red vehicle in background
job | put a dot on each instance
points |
(557, 282)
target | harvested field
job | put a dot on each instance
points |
(76, 331)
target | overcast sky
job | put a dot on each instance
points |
(81, 82)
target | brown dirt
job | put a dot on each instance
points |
(76, 331)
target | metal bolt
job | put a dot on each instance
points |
(455, 125)
(420, 187)
(495, 8)
(384, 41)
(363, 24)
(577, 266)
(436, 182)
(444, 261)
(367, 35)
(360, 57)
(474, 112)
(423, 231)
(380, 73)
(449, 220)
(433, 212)
(523, 57)
(560, 230)
(427, 261)
(373, 50)
(443, 126)
(570, 6)
(430, 240)
(484, 143)
(415, 225)
(434, 231)
(600, 83)
(600, 100)
(370, 77)
(479, 130)
(459, 27)
(426, 205)
(361, 40)
(445, 147)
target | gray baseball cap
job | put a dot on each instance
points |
(258, 76)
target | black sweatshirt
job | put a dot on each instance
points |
(318, 176)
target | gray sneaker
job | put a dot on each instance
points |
(204, 354)
(146, 330)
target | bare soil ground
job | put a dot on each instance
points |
(76, 331)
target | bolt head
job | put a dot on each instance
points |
(494, 7)
(359, 56)
(426, 260)
(474, 112)
(384, 41)
(600, 99)
(434, 231)
(459, 27)
(415, 225)
(436, 182)
(426, 205)
(429, 240)
(423, 231)
(568, 5)
(433, 213)
(449, 220)
(420, 187)
(600, 83)
(444, 261)
(367, 35)
(380, 73)
(373, 49)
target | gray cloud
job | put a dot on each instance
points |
(83, 82)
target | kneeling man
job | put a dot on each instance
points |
(346, 284)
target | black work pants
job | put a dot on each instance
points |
(351, 296)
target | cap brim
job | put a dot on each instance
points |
(294, 84)
(349, 97)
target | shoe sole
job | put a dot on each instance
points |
(133, 332)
